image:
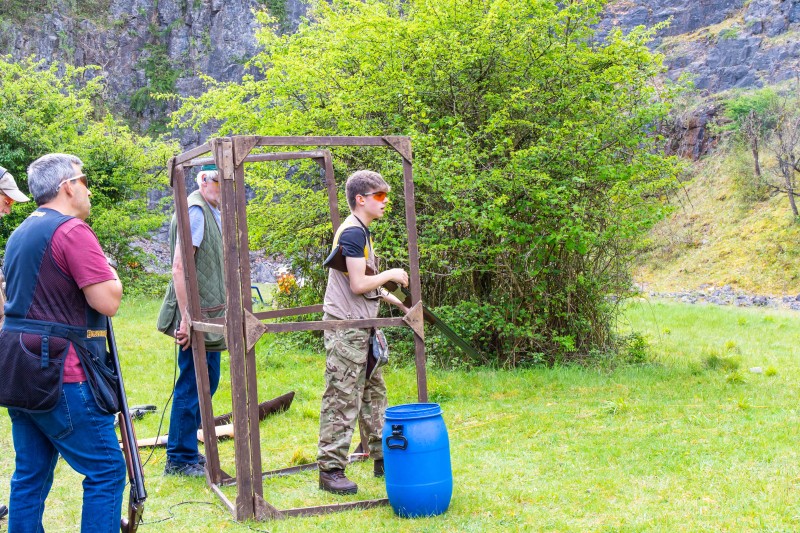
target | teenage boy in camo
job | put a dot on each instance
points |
(349, 395)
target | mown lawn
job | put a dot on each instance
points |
(694, 441)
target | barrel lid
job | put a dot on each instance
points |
(413, 410)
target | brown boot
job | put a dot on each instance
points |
(336, 482)
(377, 468)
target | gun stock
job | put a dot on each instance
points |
(130, 449)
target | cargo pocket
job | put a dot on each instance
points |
(350, 344)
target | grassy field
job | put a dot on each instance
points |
(694, 441)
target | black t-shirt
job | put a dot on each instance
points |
(353, 241)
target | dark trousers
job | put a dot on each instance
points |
(184, 420)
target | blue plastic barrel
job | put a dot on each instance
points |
(416, 453)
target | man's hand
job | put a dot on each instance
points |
(182, 334)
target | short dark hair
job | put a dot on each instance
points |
(362, 182)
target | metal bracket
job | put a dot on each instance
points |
(415, 320)
(263, 510)
(254, 329)
(402, 145)
(242, 145)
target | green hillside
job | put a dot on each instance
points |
(719, 235)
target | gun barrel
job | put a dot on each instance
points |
(138, 493)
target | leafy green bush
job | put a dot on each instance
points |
(43, 111)
(534, 171)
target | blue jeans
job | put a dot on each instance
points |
(86, 440)
(185, 417)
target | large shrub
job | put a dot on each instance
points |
(534, 167)
(58, 108)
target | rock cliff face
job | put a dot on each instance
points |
(721, 44)
(146, 43)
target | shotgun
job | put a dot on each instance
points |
(337, 261)
(402, 294)
(138, 494)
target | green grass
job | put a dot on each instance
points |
(674, 445)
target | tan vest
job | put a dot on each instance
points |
(340, 301)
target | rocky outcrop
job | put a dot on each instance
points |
(726, 295)
(720, 44)
(142, 43)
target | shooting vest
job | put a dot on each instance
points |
(45, 312)
(340, 301)
(210, 277)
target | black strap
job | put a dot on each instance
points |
(46, 330)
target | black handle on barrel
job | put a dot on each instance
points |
(397, 433)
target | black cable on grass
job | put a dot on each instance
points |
(164, 411)
(172, 515)
(153, 449)
(195, 502)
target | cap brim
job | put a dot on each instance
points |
(16, 195)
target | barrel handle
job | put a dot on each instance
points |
(397, 434)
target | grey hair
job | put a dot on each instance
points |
(210, 174)
(46, 173)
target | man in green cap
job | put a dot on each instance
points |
(183, 458)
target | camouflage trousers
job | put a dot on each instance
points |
(348, 397)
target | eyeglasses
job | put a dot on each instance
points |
(81, 177)
(378, 195)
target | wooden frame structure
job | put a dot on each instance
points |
(242, 328)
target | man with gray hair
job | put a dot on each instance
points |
(183, 457)
(61, 291)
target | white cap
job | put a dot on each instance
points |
(9, 187)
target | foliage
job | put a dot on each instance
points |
(534, 171)
(277, 9)
(161, 78)
(42, 111)
(767, 121)
(760, 102)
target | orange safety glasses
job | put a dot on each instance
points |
(378, 195)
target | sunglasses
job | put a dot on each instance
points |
(81, 177)
(8, 202)
(378, 195)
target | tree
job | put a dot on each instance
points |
(58, 108)
(768, 121)
(785, 144)
(535, 170)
